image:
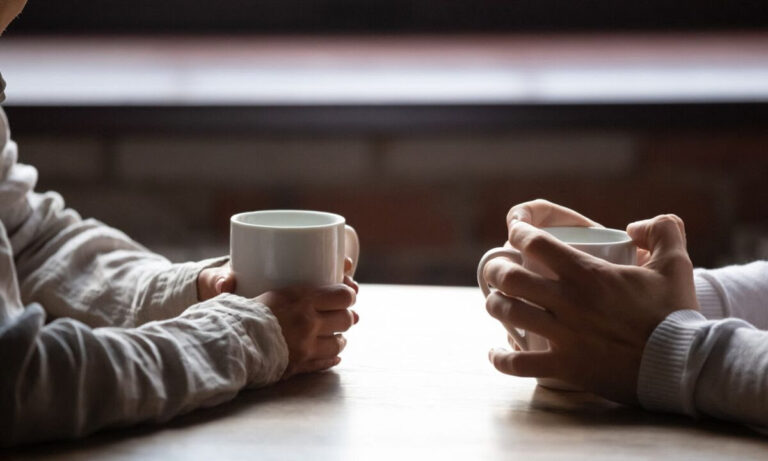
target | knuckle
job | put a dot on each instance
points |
(676, 219)
(537, 243)
(681, 261)
(301, 351)
(348, 321)
(511, 278)
(495, 304)
(594, 270)
(514, 364)
(667, 222)
(513, 231)
(339, 345)
(347, 296)
(305, 320)
(540, 202)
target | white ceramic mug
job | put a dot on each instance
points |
(611, 245)
(274, 249)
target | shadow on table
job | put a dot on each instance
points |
(312, 386)
(582, 408)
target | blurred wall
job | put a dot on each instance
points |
(426, 205)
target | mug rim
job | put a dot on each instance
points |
(237, 219)
(625, 238)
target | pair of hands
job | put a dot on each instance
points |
(596, 315)
(311, 318)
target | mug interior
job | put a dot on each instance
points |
(588, 235)
(288, 219)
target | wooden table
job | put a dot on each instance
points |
(415, 384)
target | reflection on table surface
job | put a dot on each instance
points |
(415, 383)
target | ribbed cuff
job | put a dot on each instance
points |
(662, 383)
(710, 302)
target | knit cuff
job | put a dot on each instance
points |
(662, 383)
(710, 302)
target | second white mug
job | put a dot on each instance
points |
(612, 245)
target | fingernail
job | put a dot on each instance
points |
(355, 317)
(219, 285)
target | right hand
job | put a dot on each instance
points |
(312, 320)
(596, 315)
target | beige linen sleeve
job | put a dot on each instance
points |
(65, 379)
(83, 269)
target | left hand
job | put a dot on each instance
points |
(214, 281)
(596, 315)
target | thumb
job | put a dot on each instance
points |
(663, 237)
(226, 283)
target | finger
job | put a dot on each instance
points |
(333, 297)
(539, 364)
(664, 237)
(542, 247)
(336, 321)
(316, 365)
(213, 281)
(347, 265)
(659, 233)
(226, 283)
(643, 256)
(515, 281)
(328, 346)
(516, 313)
(351, 283)
(543, 213)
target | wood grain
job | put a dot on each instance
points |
(415, 383)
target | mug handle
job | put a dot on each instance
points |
(521, 339)
(351, 247)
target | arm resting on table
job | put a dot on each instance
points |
(696, 366)
(65, 379)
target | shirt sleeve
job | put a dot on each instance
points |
(737, 291)
(696, 366)
(65, 379)
(83, 269)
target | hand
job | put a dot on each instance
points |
(311, 320)
(596, 315)
(214, 281)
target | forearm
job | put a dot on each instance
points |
(696, 366)
(95, 378)
(85, 270)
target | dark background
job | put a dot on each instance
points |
(377, 16)
(706, 161)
